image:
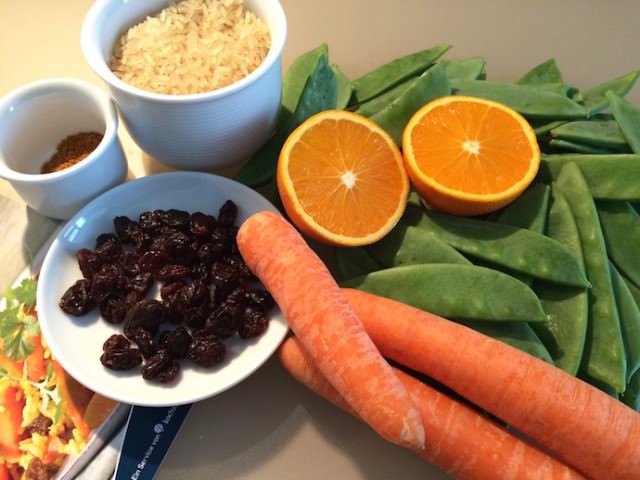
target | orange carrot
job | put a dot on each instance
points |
(75, 397)
(320, 316)
(589, 430)
(461, 441)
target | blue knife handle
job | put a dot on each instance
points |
(150, 431)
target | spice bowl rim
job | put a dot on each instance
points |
(52, 86)
(90, 45)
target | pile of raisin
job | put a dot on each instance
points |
(207, 292)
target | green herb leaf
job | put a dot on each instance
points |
(25, 293)
(3, 372)
(16, 345)
(15, 326)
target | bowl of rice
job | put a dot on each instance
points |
(197, 82)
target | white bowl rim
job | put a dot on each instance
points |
(99, 65)
(63, 84)
(48, 274)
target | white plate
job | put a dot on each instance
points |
(76, 342)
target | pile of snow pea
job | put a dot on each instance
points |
(555, 273)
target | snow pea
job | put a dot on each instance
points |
(600, 133)
(455, 291)
(634, 289)
(604, 356)
(376, 104)
(407, 245)
(543, 127)
(529, 210)
(432, 84)
(609, 177)
(532, 102)
(595, 99)
(472, 68)
(631, 396)
(621, 228)
(547, 76)
(344, 89)
(577, 147)
(546, 72)
(518, 249)
(627, 117)
(567, 307)
(296, 77)
(354, 262)
(517, 334)
(629, 320)
(319, 93)
(390, 74)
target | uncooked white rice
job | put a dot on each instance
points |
(192, 46)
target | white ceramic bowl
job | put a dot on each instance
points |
(76, 342)
(34, 119)
(202, 131)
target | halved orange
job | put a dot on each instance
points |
(341, 179)
(469, 156)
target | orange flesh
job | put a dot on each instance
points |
(445, 142)
(337, 169)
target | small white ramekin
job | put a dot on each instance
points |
(204, 131)
(34, 119)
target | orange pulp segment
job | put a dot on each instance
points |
(341, 179)
(469, 156)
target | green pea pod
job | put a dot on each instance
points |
(544, 127)
(627, 117)
(529, 210)
(407, 245)
(343, 87)
(517, 334)
(546, 72)
(430, 85)
(621, 228)
(465, 69)
(567, 307)
(631, 396)
(455, 291)
(517, 249)
(376, 104)
(392, 73)
(354, 262)
(634, 289)
(577, 147)
(604, 134)
(604, 355)
(296, 77)
(629, 320)
(547, 76)
(595, 98)
(575, 94)
(609, 177)
(532, 102)
(319, 93)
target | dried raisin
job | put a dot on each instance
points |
(206, 350)
(77, 299)
(121, 359)
(204, 289)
